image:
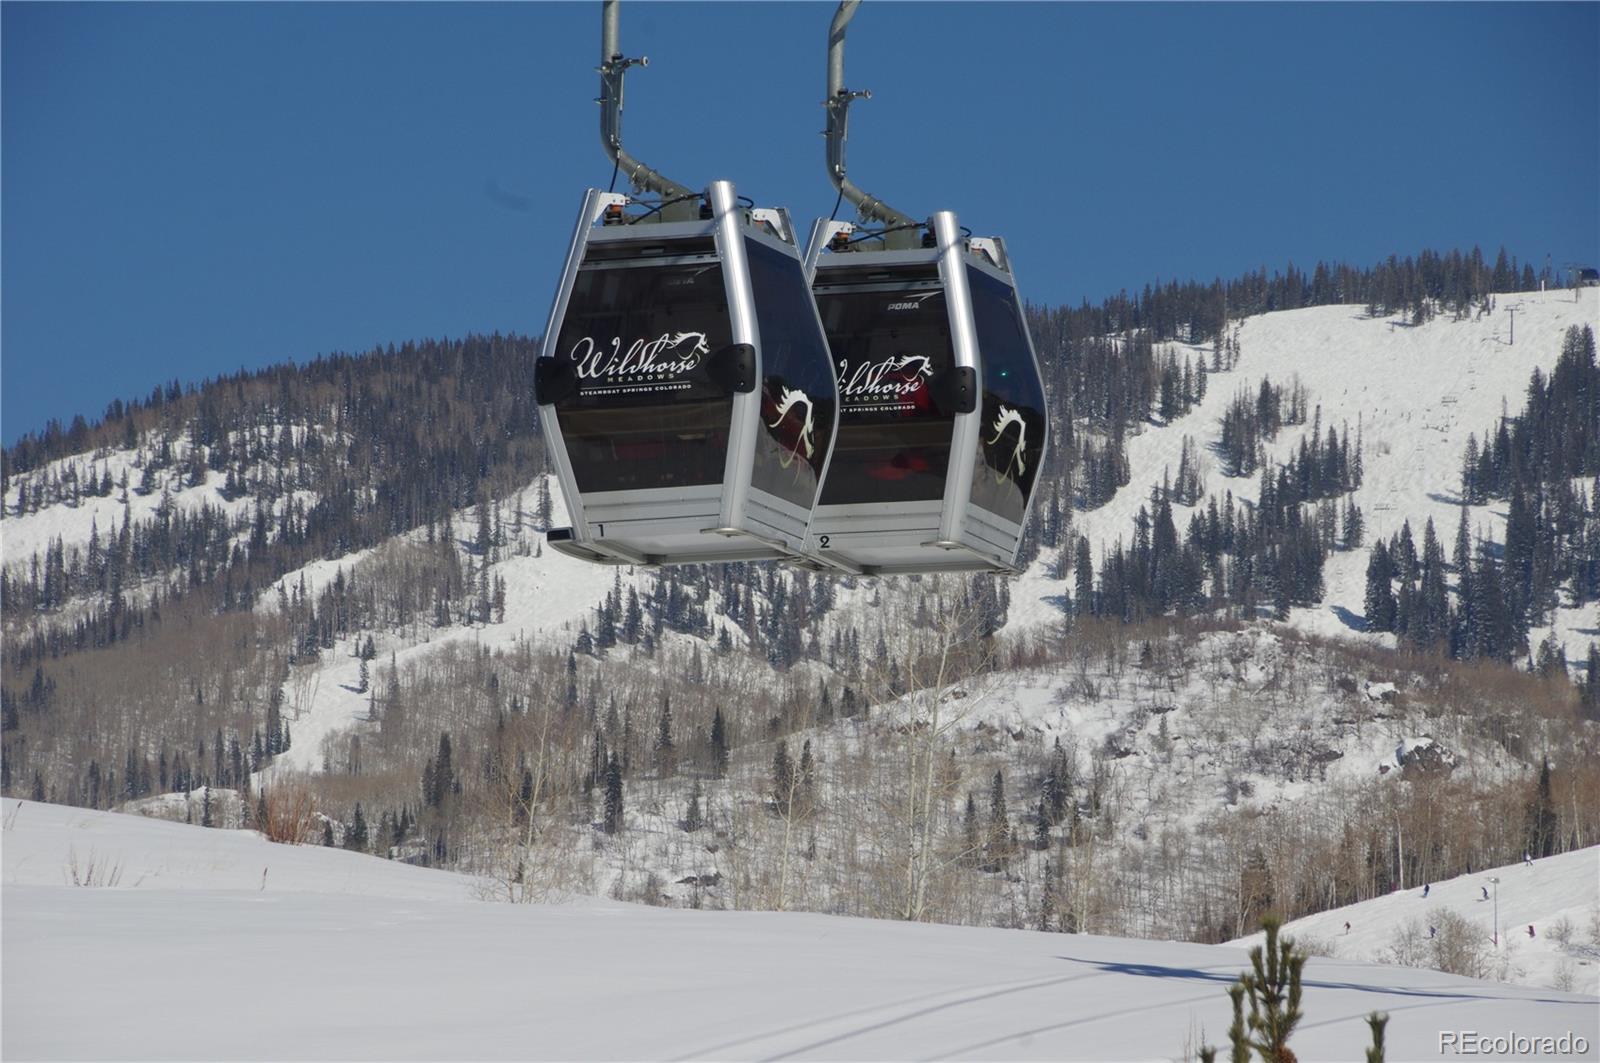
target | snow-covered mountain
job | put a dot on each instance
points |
(1216, 767)
(1416, 393)
(197, 944)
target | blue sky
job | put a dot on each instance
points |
(187, 189)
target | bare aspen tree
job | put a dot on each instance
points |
(792, 802)
(934, 678)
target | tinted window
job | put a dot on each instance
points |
(1011, 435)
(888, 347)
(797, 392)
(646, 414)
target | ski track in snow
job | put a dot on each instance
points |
(346, 956)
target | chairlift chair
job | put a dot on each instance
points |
(942, 419)
(684, 383)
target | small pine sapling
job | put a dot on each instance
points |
(1273, 989)
(1377, 1020)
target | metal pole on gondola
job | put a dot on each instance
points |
(613, 65)
(837, 105)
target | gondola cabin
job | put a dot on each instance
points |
(942, 422)
(684, 384)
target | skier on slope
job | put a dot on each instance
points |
(1485, 890)
(1530, 930)
(1425, 890)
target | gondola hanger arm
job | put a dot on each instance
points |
(613, 65)
(837, 105)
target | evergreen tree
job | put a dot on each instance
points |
(998, 845)
(783, 779)
(439, 776)
(1591, 686)
(1490, 634)
(693, 820)
(614, 811)
(807, 782)
(1041, 828)
(1542, 837)
(356, 837)
(1274, 990)
(1083, 579)
(1379, 603)
(719, 744)
(666, 752)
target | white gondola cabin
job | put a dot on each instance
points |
(942, 418)
(684, 385)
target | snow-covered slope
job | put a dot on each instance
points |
(1558, 896)
(195, 964)
(1416, 393)
(25, 534)
(546, 596)
(51, 845)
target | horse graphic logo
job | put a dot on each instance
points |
(1018, 461)
(804, 440)
(905, 361)
(700, 348)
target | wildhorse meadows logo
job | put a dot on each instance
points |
(804, 439)
(889, 383)
(661, 360)
(1018, 463)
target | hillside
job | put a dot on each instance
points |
(329, 586)
(339, 956)
(1415, 392)
(1559, 896)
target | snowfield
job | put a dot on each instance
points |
(188, 955)
(1544, 894)
(1416, 392)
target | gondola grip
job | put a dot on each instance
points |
(733, 368)
(956, 390)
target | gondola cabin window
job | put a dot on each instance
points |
(646, 413)
(797, 383)
(888, 349)
(1011, 433)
